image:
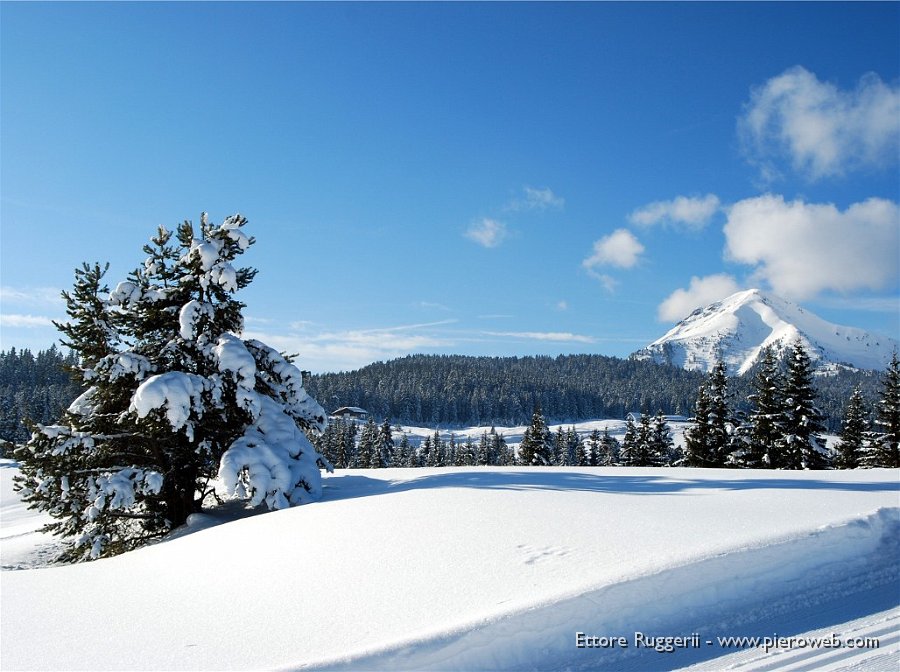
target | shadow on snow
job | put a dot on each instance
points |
(350, 486)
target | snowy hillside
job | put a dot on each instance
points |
(482, 568)
(737, 328)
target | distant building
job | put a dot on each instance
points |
(350, 413)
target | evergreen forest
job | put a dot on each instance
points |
(450, 390)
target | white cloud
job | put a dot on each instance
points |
(352, 349)
(873, 304)
(701, 292)
(609, 283)
(487, 232)
(822, 130)
(690, 212)
(620, 249)
(25, 321)
(31, 296)
(802, 249)
(562, 305)
(557, 336)
(536, 199)
(431, 305)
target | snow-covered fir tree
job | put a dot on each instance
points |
(582, 457)
(610, 449)
(801, 445)
(483, 450)
(884, 447)
(708, 441)
(852, 445)
(500, 453)
(427, 453)
(629, 442)
(175, 398)
(369, 447)
(402, 448)
(386, 444)
(663, 445)
(642, 447)
(561, 456)
(761, 433)
(592, 447)
(410, 457)
(468, 451)
(536, 448)
(699, 450)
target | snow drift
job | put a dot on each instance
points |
(472, 568)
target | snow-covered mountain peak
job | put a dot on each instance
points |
(737, 329)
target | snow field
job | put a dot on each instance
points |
(470, 568)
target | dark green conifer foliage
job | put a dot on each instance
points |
(536, 448)
(708, 442)
(884, 448)
(627, 454)
(851, 448)
(765, 423)
(582, 458)
(663, 448)
(698, 441)
(610, 450)
(368, 450)
(386, 444)
(800, 445)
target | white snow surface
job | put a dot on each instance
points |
(475, 568)
(740, 326)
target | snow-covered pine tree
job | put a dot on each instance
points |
(369, 448)
(592, 447)
(627, 452)
(175, 399)
(884, 448)
(386, 443)
(536, 449)
(429, 456)
(698, 441)
(412, 453)
(761, 434)
(560, 448)
(852, 446)
(501, 455)
(468, 451)
(400, 456)
(663, 448)
(348, 445)
(483, 455)
(720, 420)
(582, 458)
(708, 441)
(641, 447)
(609, 450)
(801, 445)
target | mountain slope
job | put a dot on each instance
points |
(740, 326)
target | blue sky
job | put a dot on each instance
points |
(472, 178)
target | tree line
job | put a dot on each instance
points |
(347, 444)
(448, 391)
(36, 387)
(783, 426)
(779, 427)
(466, 391)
